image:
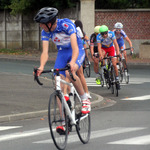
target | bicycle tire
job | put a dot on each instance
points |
(112, 79)
(83, 126)
(56, 119)
(87, 67)
(126, 73)
(121, 71)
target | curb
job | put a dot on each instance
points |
(29, 115)
(37, 58)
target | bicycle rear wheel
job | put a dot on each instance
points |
(87, 67)
(83, 126)
(57, 118)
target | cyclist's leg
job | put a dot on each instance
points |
(86, 51)
(78, 85)
(96, 70)
(124, 52)
(83, 81)
(111, 52)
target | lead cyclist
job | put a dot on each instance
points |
(120, 36)
(70, 48)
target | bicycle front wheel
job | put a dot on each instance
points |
(112, 79)
(126, 73)
(121, 71)
(83, 126)
(57, 119)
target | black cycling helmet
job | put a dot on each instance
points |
(46, 15)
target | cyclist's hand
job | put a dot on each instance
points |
(131, 50)
(72, 65)
(39, 71)
(93, 58)
(100, 58)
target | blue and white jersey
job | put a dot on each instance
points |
(61, 35)
(106, 42)
(121, 35)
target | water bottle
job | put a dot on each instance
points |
(118, 66)
(68, 101)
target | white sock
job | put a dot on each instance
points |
(84, 96)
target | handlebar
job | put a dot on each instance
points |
(109, 57)
(36, 78)
(128, 49)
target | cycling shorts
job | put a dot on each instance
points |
(110, 51)
(120, 43)
(64, 57)
(122, 47)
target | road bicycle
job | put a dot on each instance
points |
(87, 66)
(107, 74)
(110, 76)
(60, 114)
(123, 68)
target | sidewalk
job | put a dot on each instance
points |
(19, 99)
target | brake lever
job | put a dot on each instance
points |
(70, 73)
(36, 77)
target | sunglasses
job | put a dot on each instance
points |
(104, 33)
(118, 30)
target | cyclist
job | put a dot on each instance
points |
(120, 36)
(84, 38)
(80, 74)
(69, 45)
(79, 27)
(105, 41)
(94, 50)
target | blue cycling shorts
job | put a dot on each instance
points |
(120, 43)
(64, 57)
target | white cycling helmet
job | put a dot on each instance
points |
(118, 25)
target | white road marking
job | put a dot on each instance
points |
(92, 82)
(2, 128)
(19, 135)
(139, 98)
(142, 140)
(97, 134)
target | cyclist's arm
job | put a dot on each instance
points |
(44, 55)
(92, 50)
(99, 45)
(75, 49)
(87, 40)
(130, 43)
(116, 46)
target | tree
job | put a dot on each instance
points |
(28, 6)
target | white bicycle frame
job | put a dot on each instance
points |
(70, 113)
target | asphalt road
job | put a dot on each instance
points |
(125, 125)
